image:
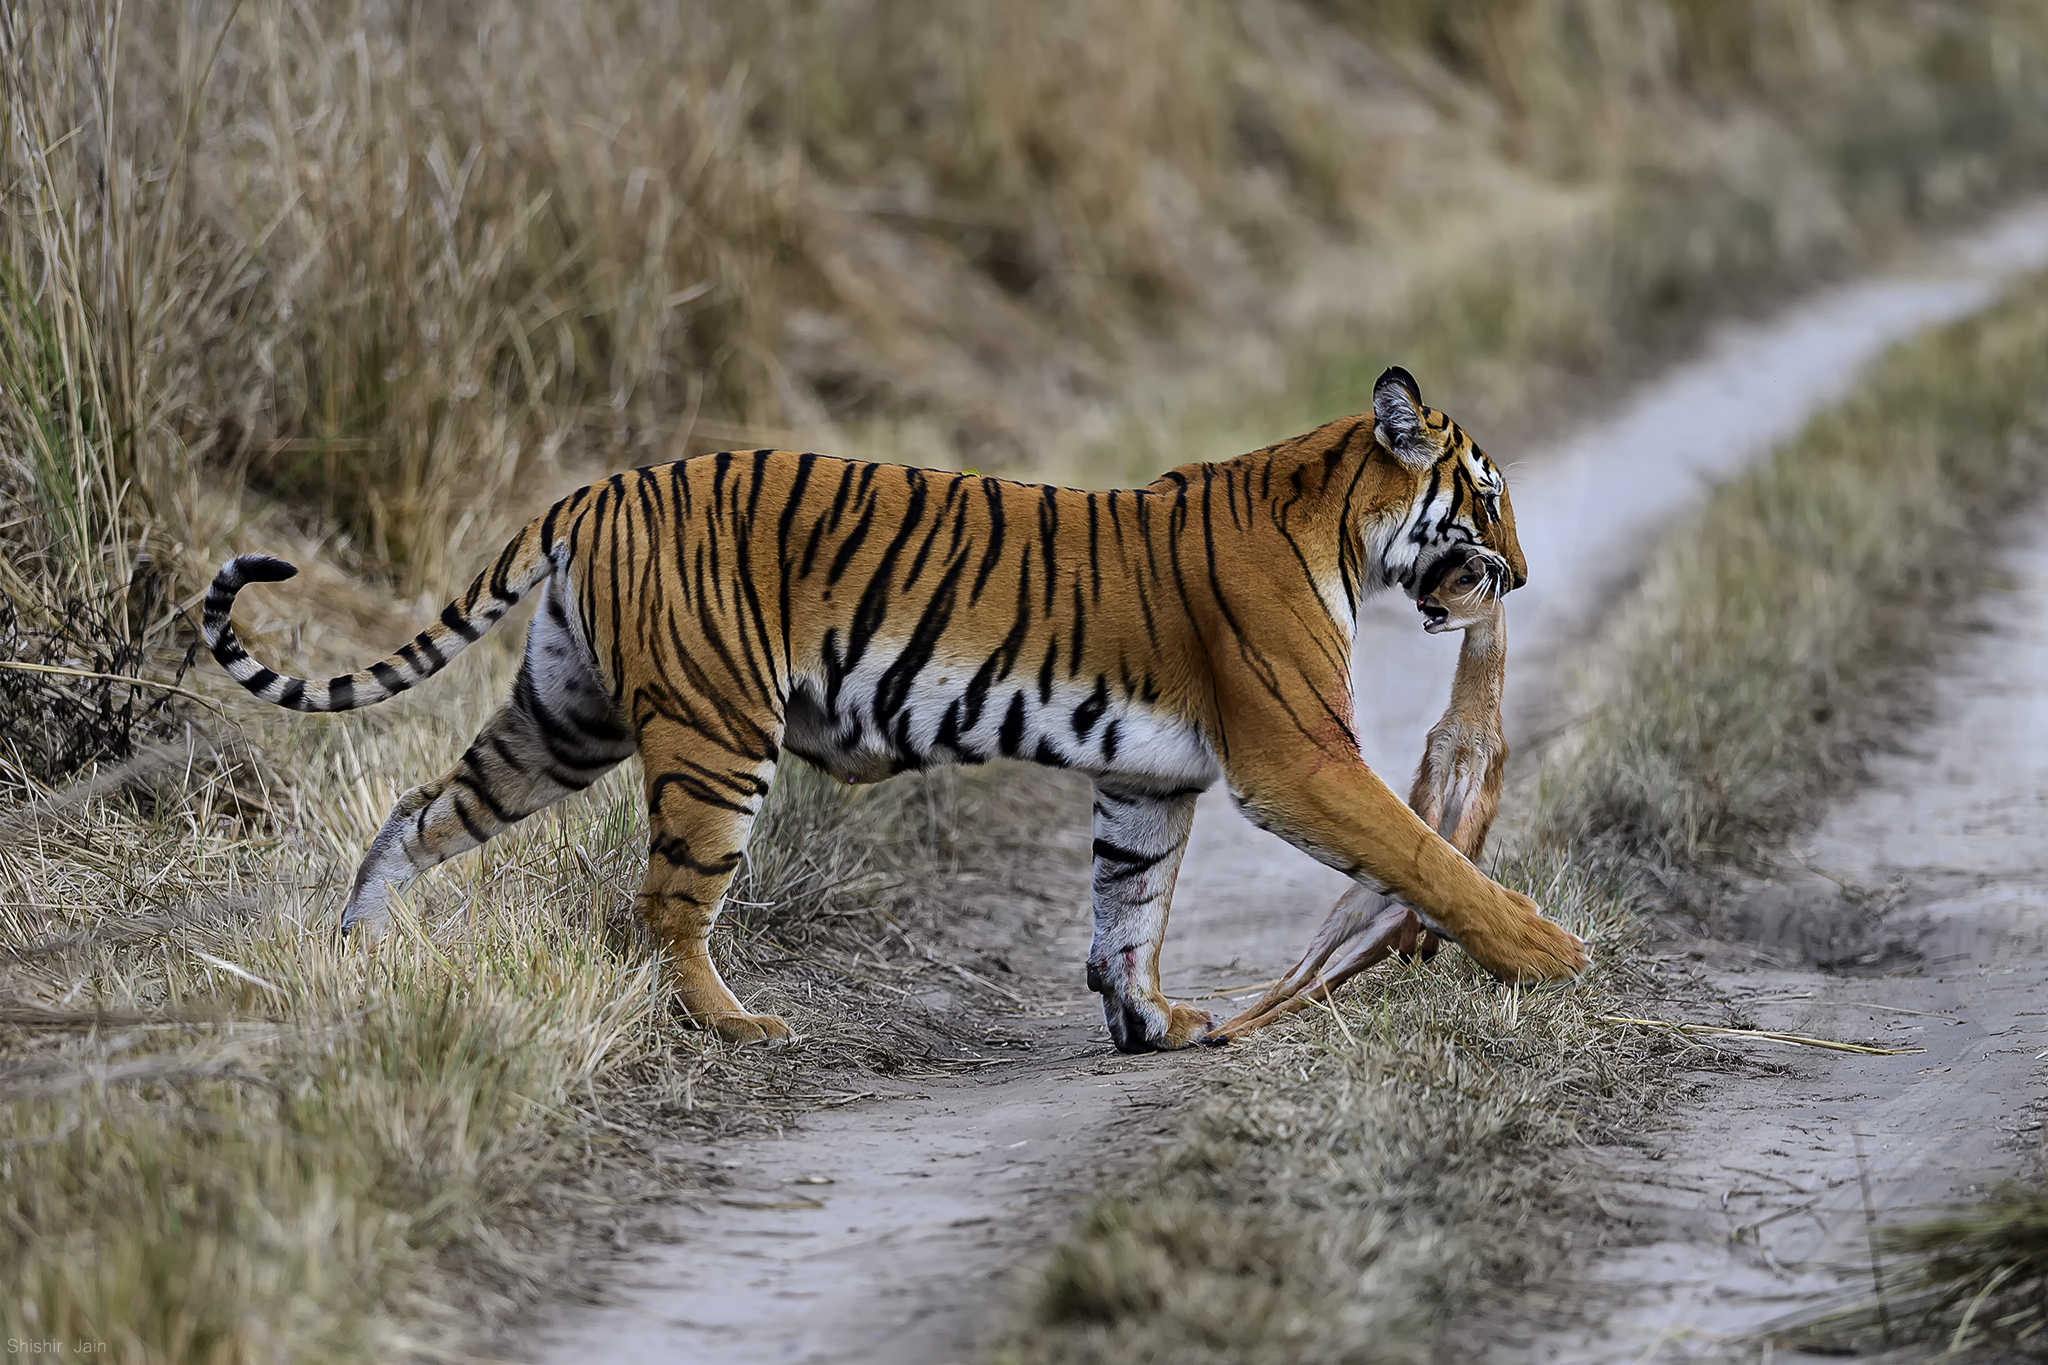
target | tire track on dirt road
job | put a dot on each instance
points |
(936, 1191)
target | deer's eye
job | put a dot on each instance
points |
(1465, 580)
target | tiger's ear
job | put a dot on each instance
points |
(1397, 410)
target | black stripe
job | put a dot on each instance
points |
(455, 804)
(481, 788)
(931, 537)
(452, 617)
(1123, 864)
(992, 491)
(676, 853)
(1094, 554)
(804, 465)
(501, 572)
(839, 499)
(709, 788)
(892, 689)
(1090, 711)
(505, 754)
(1012, 737)
(849, 547)
(482, 792)
(547, 527)
(1048, 533)
(873, 609)
(720, 464)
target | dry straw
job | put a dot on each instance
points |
(1761, 1035)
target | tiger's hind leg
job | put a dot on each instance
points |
(702, 797)
(558, 734)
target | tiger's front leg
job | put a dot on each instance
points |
(1308, 784)
(1456, 793)
(1139, 839)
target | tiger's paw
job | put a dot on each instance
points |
(1530, 948)
(1145, 1026)
(751, 1028)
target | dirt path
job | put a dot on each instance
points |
(1755, 1206)
(936, 1191)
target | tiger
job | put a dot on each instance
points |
(719, 612)
(1456, 792)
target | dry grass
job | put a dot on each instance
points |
(230, 1139)
(1661, 163)
(363, 283)
(1359, 1185)
(1768, 654)
(70, 689)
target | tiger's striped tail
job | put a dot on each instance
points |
(463, 621)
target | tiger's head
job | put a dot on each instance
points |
(1452, 547)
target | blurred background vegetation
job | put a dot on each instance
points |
(408, 269)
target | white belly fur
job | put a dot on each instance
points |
(1121, 735)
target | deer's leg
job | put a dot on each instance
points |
(1363, 930)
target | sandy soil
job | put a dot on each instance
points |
(1927, 901)
(879, 1232)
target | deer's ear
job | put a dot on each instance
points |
(1397, 414)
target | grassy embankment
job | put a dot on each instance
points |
(366, 284)
(1366, 1180)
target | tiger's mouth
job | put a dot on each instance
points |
(1434, 617)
